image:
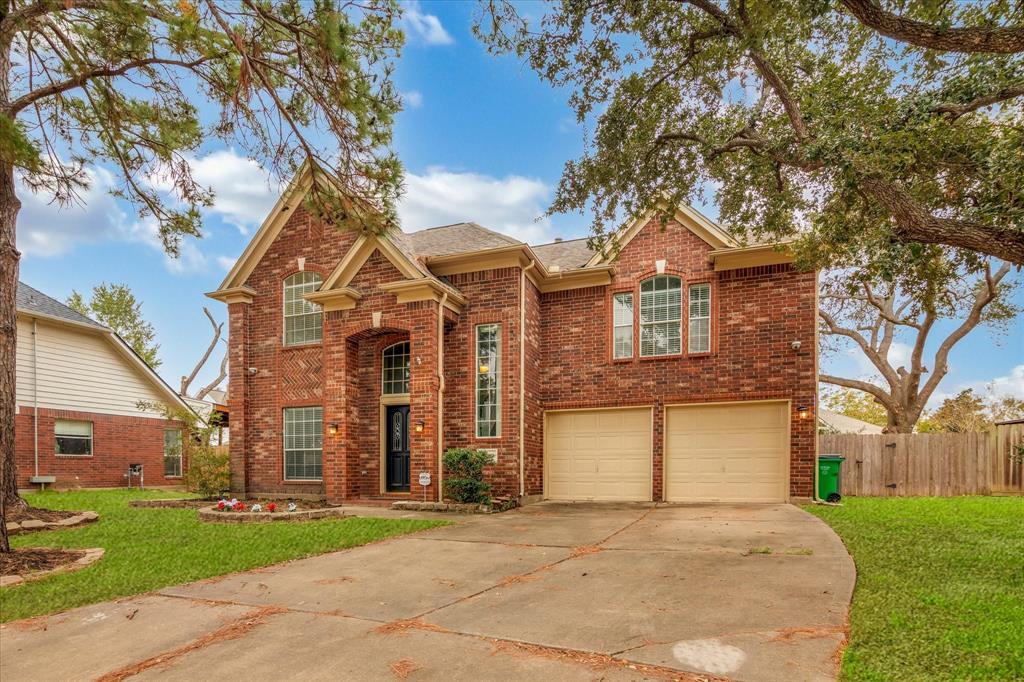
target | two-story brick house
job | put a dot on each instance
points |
(680, 368)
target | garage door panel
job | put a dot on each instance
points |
(729, 453)
(598, 455)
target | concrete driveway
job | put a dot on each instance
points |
(551, 591)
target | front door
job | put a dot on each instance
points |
(397, 449)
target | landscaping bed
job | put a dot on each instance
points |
(266, 511)
(940, 587)
(35, 563)
(34, 521)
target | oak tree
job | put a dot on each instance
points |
(115, 306)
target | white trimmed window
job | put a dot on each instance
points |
(661, 316)
(172, 453)
(303, 321)
(395, 369)
(303, 443)
(622, 325)
(488, 381)
(700, 318)
(73, 438)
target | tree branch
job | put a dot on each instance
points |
(879, 393)
(999, 39)
(205, 390)
(955, 111)
(217, 328)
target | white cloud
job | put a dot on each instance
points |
(413, 99)
(226, 262)
(899, 356)
(426, 27)
(510, 205)
(1012, 384)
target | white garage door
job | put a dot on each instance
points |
(598, 454)
(736, 452)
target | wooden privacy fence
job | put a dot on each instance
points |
(939, 464)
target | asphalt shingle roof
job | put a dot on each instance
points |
(35, 301)
(448, 240)
(566, 255)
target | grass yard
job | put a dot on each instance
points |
(940, 587)
(147, 549)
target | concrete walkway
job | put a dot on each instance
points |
(551, 591)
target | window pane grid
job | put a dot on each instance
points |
(395, 372)
(488, 381)
(303, 321)
(623, 325)
(661, 316)
(700, 318)
(172, 452)
(303, 443)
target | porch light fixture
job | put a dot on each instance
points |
(419, 426)
(803, 411)
(332, 428)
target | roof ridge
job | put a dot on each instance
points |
(563, 241)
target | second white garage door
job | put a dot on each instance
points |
(736, 452)
(598, 455)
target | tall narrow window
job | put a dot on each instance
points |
(488, 381)
(700, 318)
(303, 443)
(172, 453)
(395, 370)
(622, 305)
(303, 321)
(73, 438)
(661, 316)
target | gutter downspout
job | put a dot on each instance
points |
(522, 377)
(35, 395)
(440, 396)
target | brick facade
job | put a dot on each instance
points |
(565, 361)
(118, 441)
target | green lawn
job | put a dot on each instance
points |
(940, 587)
(151, 548)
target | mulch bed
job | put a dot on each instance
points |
(32, 559)
(19, 514)
(282, 505)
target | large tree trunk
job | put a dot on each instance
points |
(9, 206)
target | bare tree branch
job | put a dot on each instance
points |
(879, 393)
(217, 328)
(205, 390)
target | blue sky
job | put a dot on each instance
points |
(481, 139)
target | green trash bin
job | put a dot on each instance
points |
(828, 477)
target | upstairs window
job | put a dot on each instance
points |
(622, 325)
(700, 318)
(488, 381)
(395, 369)
(661, 316)
(303, 321)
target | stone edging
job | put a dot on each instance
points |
(30, 525)
(455, 507)
(92, 555)
(173, 503)
(212, 515)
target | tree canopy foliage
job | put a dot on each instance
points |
(864, 131)
(115, 306)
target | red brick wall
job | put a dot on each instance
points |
(756, 314)
(534, 428)
(118, 441)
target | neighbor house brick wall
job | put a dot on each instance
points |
(118, 440)
(756, 314)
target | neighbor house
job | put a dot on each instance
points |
(78, 390)
(681, 366)
(833, 422)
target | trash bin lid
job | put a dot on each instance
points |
(832, 458)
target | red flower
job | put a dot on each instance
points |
(220, 505)
(271, 506)
(240, 506)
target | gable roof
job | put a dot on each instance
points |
(34, 303)
(690, 218)
(33, 300)
(447, 240)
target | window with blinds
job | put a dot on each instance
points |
(661, 316)
(303, 321)
(303, 443)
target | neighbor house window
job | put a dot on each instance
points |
(395, 371)
(172, 452)
(303, 321)
(303, 443)
(74, 438)
(488, 380)
(622, 325)
(660, 316)
(700, 318)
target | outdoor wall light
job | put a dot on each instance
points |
(803, 411)
(419, 426)
(484, 369)
(332, 428)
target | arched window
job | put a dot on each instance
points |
(395, 369)
(303, 321)
(661, 308)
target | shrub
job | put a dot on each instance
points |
(209, 470)
(464, 476)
